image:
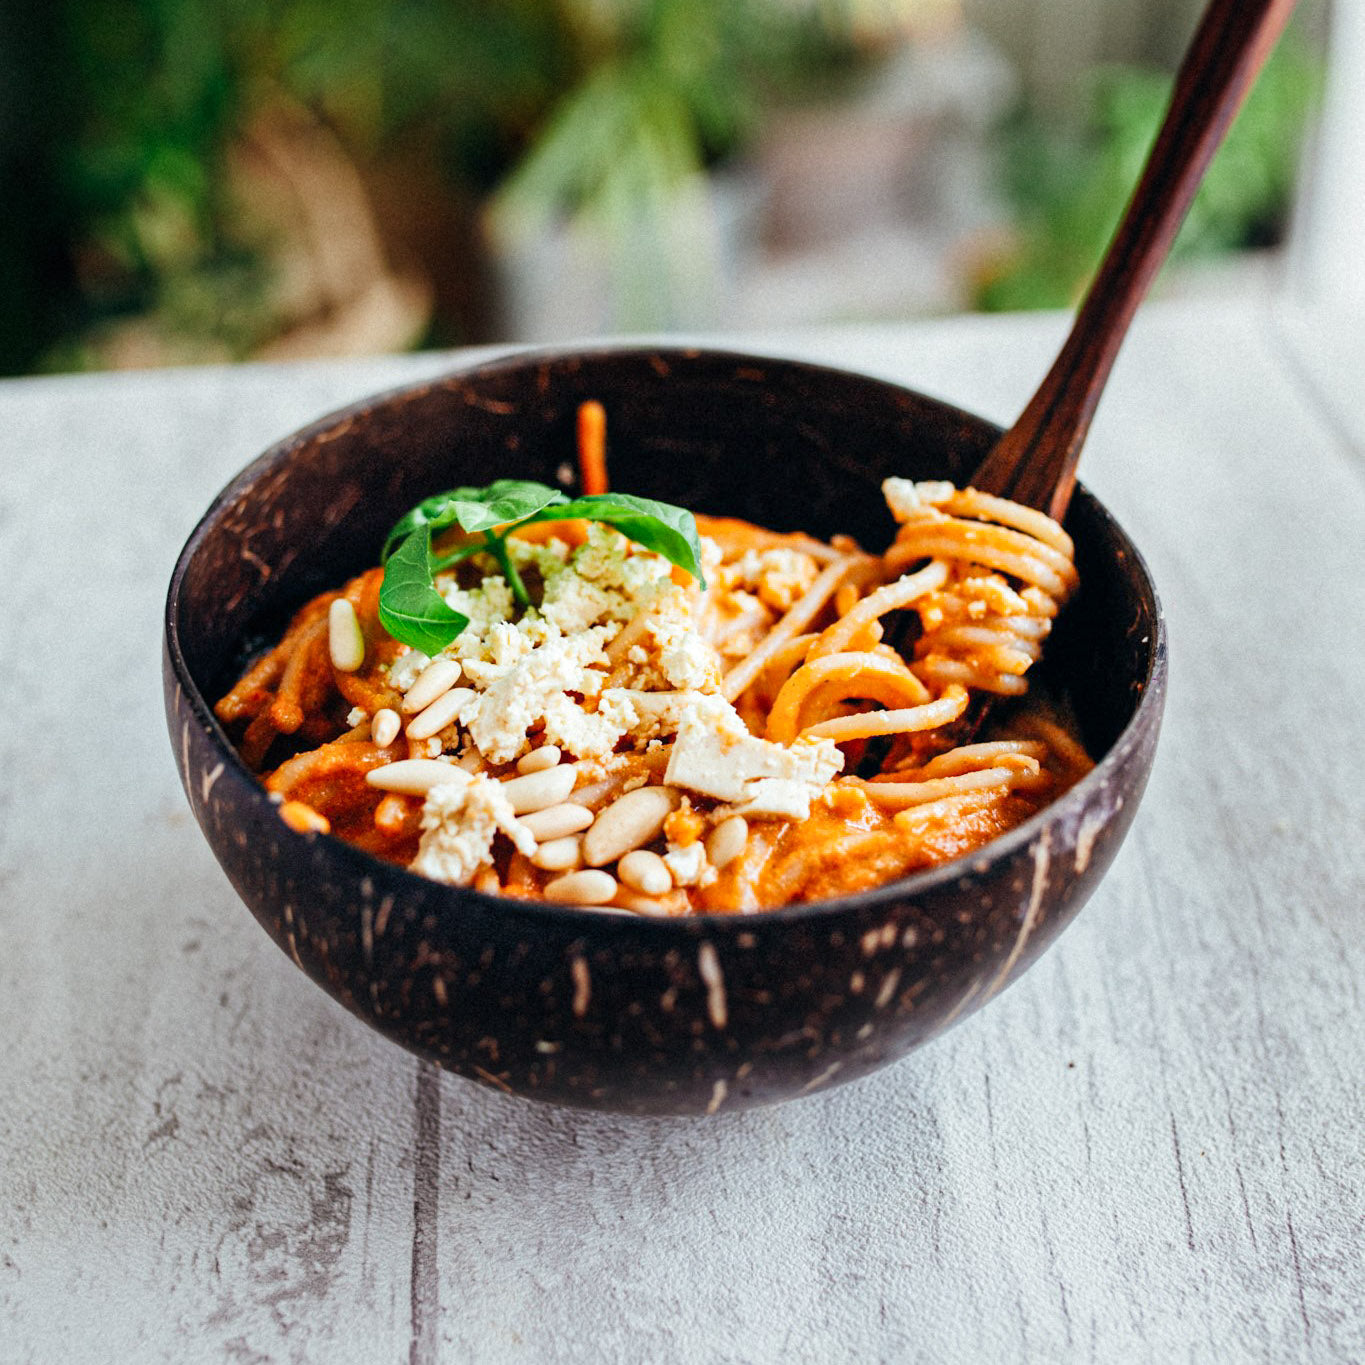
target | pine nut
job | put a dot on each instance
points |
(439, 714)
(536, 791)
(544, 757)
(645, 872)
(385, 726)
(559, 855)
(726, 842)
(434, 680)
(554, 822)
(303, 819)
(416, 776)
(640, 905)
(391, 814)
(345, 639)
(589, 887)
(630, 820)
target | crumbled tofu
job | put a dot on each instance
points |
(573, 603)
(777, 798)
(507, 643)
(547, 557)
(492, 601)
(605, 580)
(744, 622)
(688, 865)
(404, 671)
(585, 734)
(647, 715)
(459, 824)
(780, 576)
(685, 659)
(518, 696)
(711, 556)
(547, 667)
(608, 560)
(715, 755)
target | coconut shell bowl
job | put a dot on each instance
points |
(621, 1012)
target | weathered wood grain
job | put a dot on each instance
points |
(1149, 1149)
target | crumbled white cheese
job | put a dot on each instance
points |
(507, 643)
(711, 556)
(492, 601)
(404, 671)
(518, 696)
(468, 644)
(716, 756)
(574, 603)
(584, 734)
(776, 797)
(548, 667)
(357, 715)
(688, 865)
(604, 580)
(744, 622)
(546, 557)
(459, 824)
(485, 657)
(601, 555)
(686, 660)
(780, 576)
(608, 560)
(483, 672)
(646, 715)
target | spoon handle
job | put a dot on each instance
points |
(1035, 460)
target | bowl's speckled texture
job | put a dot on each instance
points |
(612, 1011)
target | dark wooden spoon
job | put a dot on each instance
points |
(1035, 460)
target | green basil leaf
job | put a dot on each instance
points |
(659, 526)
(506, 500)
(475, 509)
(424, 514)
(410, 608)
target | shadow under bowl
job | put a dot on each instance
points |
(615, 1012)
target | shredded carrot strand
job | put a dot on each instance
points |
(592, 448)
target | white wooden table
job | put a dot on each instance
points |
(1150, 1149)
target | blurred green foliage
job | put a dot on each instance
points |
(118, 120)
(139, 101)
(123, 114)
(1069, 187)
(667, 88)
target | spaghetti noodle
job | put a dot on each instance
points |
(801, 726)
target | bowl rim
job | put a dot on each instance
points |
(1073, 800)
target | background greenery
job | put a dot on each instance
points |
(119, 123)
(1068, 183)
